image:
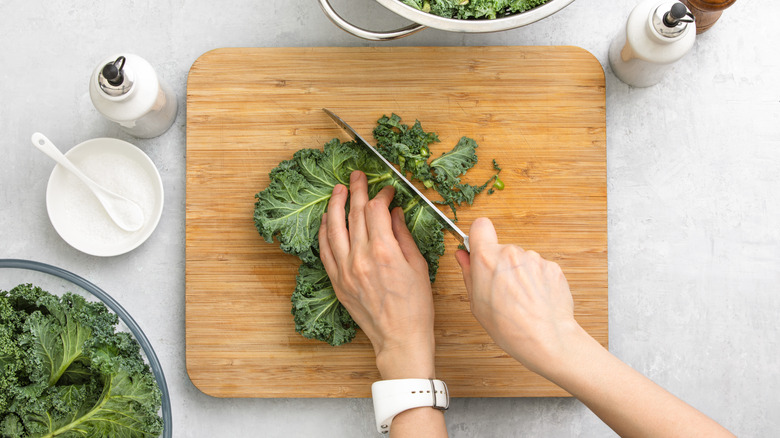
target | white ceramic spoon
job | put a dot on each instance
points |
(124, 212)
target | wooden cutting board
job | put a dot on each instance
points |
(539, 111)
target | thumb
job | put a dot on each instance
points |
(482, 234)
(464, 261)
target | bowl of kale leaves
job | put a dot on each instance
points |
(73, 362)
(455, 15)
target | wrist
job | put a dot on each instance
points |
(576, 347)
(406, 362)
(550, 351)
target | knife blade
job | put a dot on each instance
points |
(448, 224)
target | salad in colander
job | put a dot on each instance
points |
(473, 9)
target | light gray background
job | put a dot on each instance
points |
(693, 186)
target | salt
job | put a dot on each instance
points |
(87, 217)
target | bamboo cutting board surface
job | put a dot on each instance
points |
(539, 111)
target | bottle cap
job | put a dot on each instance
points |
(114, 79)
(671, 19)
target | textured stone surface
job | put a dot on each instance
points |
(694, 199)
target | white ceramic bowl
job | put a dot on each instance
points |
(76, 214)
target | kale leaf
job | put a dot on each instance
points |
(67, 372)
(317, 312)
(290, 209)
(449, 167)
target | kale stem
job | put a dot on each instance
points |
(97, 408)
(380, 177)
(333, 301)
(411, 204)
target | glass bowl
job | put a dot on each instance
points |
(14, 272)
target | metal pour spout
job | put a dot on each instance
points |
(114, 80)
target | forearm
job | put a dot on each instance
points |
(628, 402)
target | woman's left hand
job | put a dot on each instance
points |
(381, 278)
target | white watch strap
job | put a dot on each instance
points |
(391, 397)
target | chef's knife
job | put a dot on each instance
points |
(451, 227)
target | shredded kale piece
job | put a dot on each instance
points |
(442, 173)
(406, 146)
(474, 9)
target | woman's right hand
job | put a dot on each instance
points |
(524, 303)
(522, 300)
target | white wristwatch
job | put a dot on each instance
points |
(391, 397)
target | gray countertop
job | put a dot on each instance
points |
(693, 199)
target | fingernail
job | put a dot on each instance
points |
(338, 189)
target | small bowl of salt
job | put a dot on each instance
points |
(77, 215)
